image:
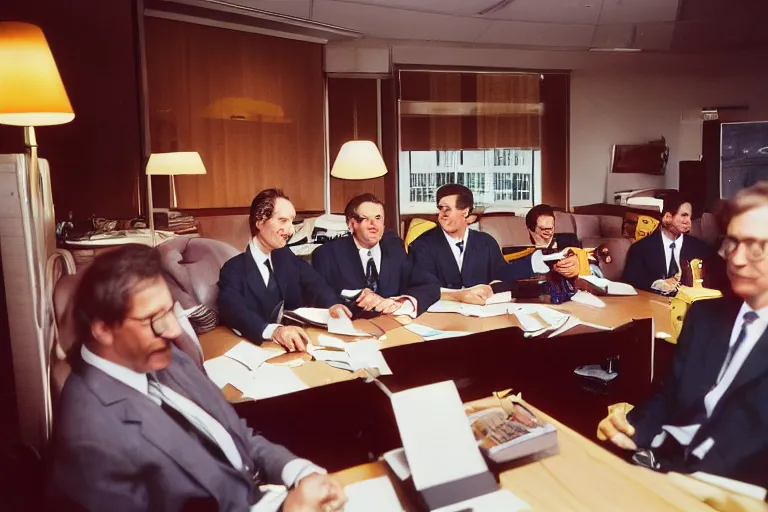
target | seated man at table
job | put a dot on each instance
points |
(540, 221)
(465, 261)
(255, 285)
(375, 262)
(712, 413)
(653, 263)
(139, 427)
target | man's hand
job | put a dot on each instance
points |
(338, 310)
(477, 294)
(316, 493)
(370, 301)
(568, 267)
(292, 338)
(616, 429)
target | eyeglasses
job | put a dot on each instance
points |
(755, 249)
(159, 324)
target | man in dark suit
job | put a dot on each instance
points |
(712, 413)
(540, 221)
(654, 263)
(464, 261)
(255, 285)
(374, 261)
(139, 427)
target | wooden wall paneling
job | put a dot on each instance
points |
(95, 159)
(390, 150)
(508, 131)
(555, 173)
(251, 105)
(352, 101)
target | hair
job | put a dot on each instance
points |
(105, 291)
(350, 211)
(673, 200)
(540, 210)
(745, 200)
(263, 206)
(465, 198)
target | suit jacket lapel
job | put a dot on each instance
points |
(719, 340)
(469, 256)
(385, 269)
(658, 263)
(451, 266)
(352, 257)
(281, 271)
(253, 278)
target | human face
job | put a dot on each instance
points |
(451, 219)
(749, 276)
(680, 222)
(369, 229)
(276, 230)
(545, 229)
(142, 342)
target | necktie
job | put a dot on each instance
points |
(192, 418)
(460, 245)
(697, 414)
(673, 268)
(271, 281)
(749, 317)
(371, 274)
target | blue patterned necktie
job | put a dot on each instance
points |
(460, 245)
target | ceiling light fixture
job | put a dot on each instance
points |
(495, 7)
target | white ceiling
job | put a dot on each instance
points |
(658, 25)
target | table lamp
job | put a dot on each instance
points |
(358, 160)
(170, 164)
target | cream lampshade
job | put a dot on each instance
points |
(31, 90)
(170, 164)
(358, 160)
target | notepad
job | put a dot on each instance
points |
(250, 355)
(268, 381)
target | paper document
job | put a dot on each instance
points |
(398, 463)
(430, 334)
(324, 340)
(250, 355)
(223, 370)
(586, 298)
(374, 495)
(314, 315)
(494, 502)
(343, 325)
(610, 287)
(430, 419)
(499, 298)
(269, 380)
(445, 306)
(555, 256)
(355, 356)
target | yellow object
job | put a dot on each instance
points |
(417, 228)
(622, 407)
(645, 226)
(619, 409)
(687, 295)
(31, 90)
(174, 164)
(358, 160)
(519, 254)
(583, 256)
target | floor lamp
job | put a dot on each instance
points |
(32, 94)
(169, 164)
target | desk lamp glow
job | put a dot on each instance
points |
(170, 164)
(358, 160)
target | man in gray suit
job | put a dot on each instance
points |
(139, 427)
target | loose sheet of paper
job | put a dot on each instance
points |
(316, 315)
(343, 325)
(501, 500)
(430, 334)
(499, 298)
(436, 435)
(374, 495)
(445, 306)
(269, 380)
(223, 370)
(586, 298)
(610, 287)
(251, 355)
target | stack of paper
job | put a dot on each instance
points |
(491, 309)
(429, 334)
(351, 355)
(374, 495)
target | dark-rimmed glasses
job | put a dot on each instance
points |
(754, 249)
(160, 324)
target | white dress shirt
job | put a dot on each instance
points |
(409, 306)
(684, 435)
(668, 252)
(259, 257)
(294, 471)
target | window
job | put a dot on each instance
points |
(481, 130)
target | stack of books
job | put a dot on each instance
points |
(181, 223)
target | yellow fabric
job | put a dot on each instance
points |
(682, 301)
(519, 254)
(645, 226)
(583, 255)
(416, 229)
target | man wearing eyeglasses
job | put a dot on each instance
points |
(655, 263)
(712, 413)
(370, 265)
(139, 427)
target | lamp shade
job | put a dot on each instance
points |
(31, 91)
(174, 164)
(358, 160)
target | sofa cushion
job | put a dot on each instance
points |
(610, 226)
(564, 222)
(618, 248)
(587, 226)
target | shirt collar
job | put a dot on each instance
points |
(130, 378)
(453, 241)
(668, 240)
(762, 314)
(363, 251)
(258, 254)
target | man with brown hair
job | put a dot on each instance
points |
(712, 413)
(373, 260)
(255, 285)
(139, 427)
